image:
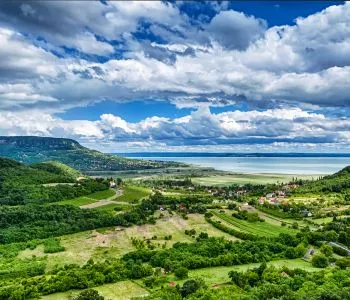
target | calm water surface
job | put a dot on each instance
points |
(279, 165)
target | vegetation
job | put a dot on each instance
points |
(69, 152)
(168, 239)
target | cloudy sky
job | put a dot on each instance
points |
(183, 76)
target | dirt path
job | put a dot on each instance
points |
(107, 201)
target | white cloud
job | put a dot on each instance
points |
(232, 58)
(199, 128)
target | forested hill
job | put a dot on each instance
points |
(338, 182)
(32, 149)
(12, 172)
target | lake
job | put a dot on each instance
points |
(275, 165)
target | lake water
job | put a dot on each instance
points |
(278, 165)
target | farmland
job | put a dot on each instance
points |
(145, 236)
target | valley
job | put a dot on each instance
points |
(63, 233)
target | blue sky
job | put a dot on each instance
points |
(268, 76)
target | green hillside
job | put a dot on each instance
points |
(42, 183)
(57, 168)
(12, 172)
(337, 183)
(31, 149)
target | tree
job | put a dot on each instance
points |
(320, 261)
(89, 294)
(326, 250)
(191, 286)
(181, 272)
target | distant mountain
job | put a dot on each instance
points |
(33, 149)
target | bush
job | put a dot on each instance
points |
(326, 250)
(89, 294)
(320, 261)
(52, 245)
(181, 272)
(190, 287)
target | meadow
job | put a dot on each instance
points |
(237, 178)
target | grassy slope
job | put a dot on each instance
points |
(80, 247)
(133, 193)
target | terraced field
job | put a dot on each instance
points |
(258, 228)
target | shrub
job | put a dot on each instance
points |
(181, 272)
(320, 261)
(326, 250)
(89, 294)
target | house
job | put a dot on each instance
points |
(262, 200)
(112, 184)
(270, 195)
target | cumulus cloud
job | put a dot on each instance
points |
(202, 127)
(235, 30)
(55, 55)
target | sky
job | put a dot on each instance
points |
(257, 76)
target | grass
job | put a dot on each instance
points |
(218, 275)
(111, 243)
(102, 194)
(133, 194)
(76, 201)
(236, 178)
(113, 207)
(258, 228)
(92, 198)
(123, 290)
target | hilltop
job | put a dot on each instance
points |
(32, 149)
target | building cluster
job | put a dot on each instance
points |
(278, 197)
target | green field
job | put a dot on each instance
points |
(218, 275)
(258, 228)
(133, 193)
(236, 178)
(123, 290)
(92, 198)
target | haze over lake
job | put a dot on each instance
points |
(278, 165)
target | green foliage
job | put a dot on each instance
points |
(69, 152)
(53, 245)
(250, 217)
(319, 261)
(191, 286)
(181, 272)
(89, 294)
(343, 263)
(326, 250)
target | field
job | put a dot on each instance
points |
(133, 194)
(236, 178)
(113, 242)
(259, 228)
(92, 198)
(123, 290)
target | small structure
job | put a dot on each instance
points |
(112, 184)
